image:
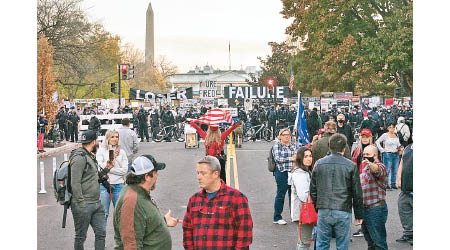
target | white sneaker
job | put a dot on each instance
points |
(280, 222)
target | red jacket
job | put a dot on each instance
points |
(214, 149)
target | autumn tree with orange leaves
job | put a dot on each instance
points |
(45, 79)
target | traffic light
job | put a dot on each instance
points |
(270, 83)
(124, 69)
(397, 93)
(114, 87)
(130, 72)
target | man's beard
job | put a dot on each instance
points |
(94, 150)
(153, 187)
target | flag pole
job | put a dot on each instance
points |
(229, 55)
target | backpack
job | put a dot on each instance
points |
(62, 187)
(271, 161)
(400, 136)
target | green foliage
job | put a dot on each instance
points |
(274, 66)
(85, 54)
(364, 46)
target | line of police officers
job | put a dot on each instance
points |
(68, 123)
(274, 118)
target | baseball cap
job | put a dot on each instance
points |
(88, 136)
(144, 164)
(366, 132)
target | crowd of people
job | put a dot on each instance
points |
(339, 181)
(148, 121)
(339, 172)
(217, 217)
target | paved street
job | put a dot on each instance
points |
(178, 182)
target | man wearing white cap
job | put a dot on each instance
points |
(138, 222)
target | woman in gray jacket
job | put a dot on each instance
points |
(301, 177)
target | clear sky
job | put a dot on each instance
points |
(197, 32)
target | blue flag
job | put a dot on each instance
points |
(300, 123)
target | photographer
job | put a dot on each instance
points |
(86, 206)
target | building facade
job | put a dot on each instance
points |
(223, 78)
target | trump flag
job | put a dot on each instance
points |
(300, 123)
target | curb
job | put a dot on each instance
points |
(57, 150)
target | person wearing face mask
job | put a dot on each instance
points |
(331, 117)
(369, 124)
(389, 149)
(116, 174)
(373, 179)
(345, 129)
(355, 118)
(365, 139)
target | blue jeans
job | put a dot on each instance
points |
(106, 200)
(373, 227)
(329, 220)
(391, 162)
(281, 179)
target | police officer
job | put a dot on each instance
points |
(61, 118)
(282, 118)
(167, 118)
(73, 121)
(143, 125)
(255, 119)
(155, 119)
(291, 117)
(272, 120)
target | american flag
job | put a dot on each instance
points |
(214, 117)
(291, 81)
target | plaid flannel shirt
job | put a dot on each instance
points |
(281, 154)
(224, 222)
(373, 185)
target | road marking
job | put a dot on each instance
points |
(227, 169)
(41, 206)
(231, 154)
(236, 178)
(252, 150)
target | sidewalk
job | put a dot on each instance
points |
(51, 151)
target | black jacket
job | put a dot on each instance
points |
(313, 124)
(94, 123)
(347, 131)
(154, 116)
(167, 118)
(61, 117)
(142, 116)
(282, 116)
(272, 116)
(254, 118)
(335, 185)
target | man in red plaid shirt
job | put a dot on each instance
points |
(217, 217)
(373, 179)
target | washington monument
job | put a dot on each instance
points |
(149, 37)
